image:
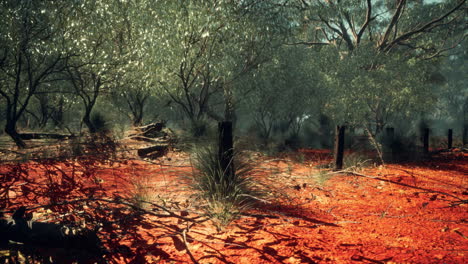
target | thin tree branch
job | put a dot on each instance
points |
(396, 16)
(424, 28)
(366, 22)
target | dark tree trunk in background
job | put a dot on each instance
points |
(137, 112)
(339, 147)
(88, 86)
(44, 109)
(10, 129)
(426, 140)
(225, 148)
(137, 120)
(465, 134)
(57, 115)
(325, 131)
(379, 127)
(390, 134)
(465, 123)
(449, 138)
(136, 102)
(390, 142)
(88, 123)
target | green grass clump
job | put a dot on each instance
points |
(226, 194)
(356, 161)
(321, 177)
(142, 194)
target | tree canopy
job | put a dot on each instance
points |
(361, 62)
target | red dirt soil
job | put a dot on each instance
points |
(397, 213)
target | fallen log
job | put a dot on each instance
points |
(152, 130)
(39, 235)
(160, 137)
(29, 136)
(153, 152)
(141, 138)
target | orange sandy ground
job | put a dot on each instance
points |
(400, 213)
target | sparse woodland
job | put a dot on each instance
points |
(222, 131)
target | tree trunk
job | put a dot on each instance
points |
(44, 109)
(10, 129)
(379, 126)
(57, 114)
(390, 142)
(426, 140)
(226, 149)
(465, 134)
(136, 105)
(137, 119)
(449, 138)
(198, 127)
(465, 123)
(325, 132)
(88, 123)
(339, 147)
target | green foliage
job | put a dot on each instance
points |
(375, 88)
(282, 93)
(226, 195)
(198, 50)
(207, 59)
(376, 69)
(451, 85)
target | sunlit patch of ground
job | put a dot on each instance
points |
(397, 213)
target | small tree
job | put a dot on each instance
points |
(376, 67)
(95, 66)
(31, 37)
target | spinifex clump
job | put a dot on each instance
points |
(226, 193)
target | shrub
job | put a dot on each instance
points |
(301, 158)
(100, 123)
(199, 128)
(356, 161)
(321, 177)
(142, 193)
(226, 194)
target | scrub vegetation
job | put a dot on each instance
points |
(288, 131)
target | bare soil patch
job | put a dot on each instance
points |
(397, 213)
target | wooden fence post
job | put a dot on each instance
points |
(339, 147)
(426, 140)
(390, 133)
(449, 138)
(465, 134)
(389, 141)
(225, 148)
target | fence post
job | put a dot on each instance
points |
(426, 140)
(390, 138)
(339, 147)
(465, 134)
(450, 139)
(225, 148)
